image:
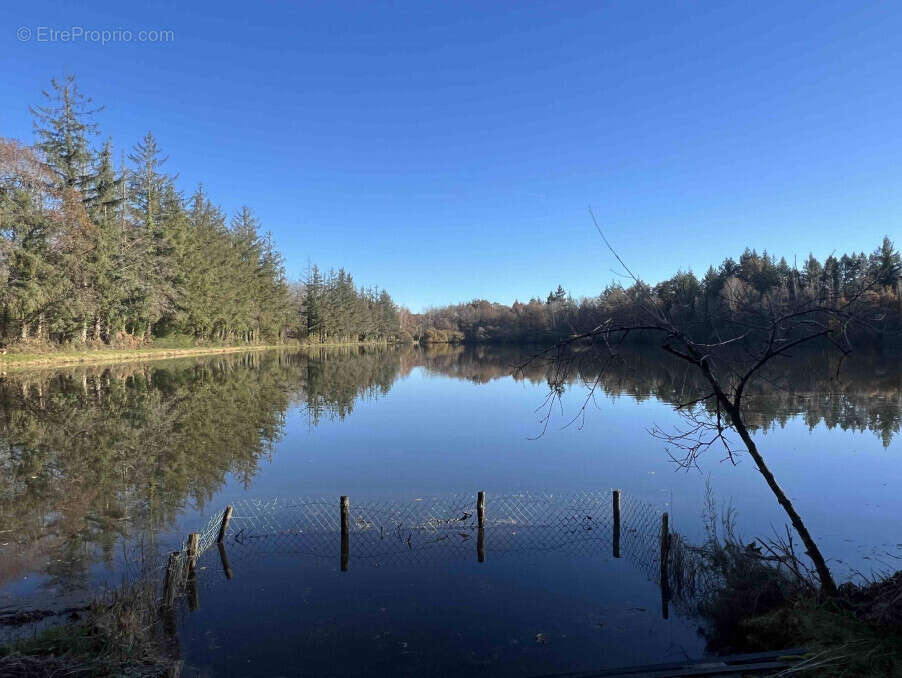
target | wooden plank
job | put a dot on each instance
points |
(684, 671)
(770, 654)
(724, 666)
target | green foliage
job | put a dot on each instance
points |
(742, 294)
(175, 340)
(63, 127)
(91, 254)
(333, 310)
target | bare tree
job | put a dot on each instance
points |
(758, 334)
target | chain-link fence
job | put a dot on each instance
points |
(373, 532)
(390, 532)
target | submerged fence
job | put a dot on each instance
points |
(378, 533)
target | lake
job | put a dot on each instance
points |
(105, 469)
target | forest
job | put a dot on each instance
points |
(733, 295)
(96, 253)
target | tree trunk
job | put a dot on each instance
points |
(828, 586)
(84, 330)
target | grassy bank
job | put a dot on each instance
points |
(761, 596)
(122, 634)
(109, 355)
(40, 356)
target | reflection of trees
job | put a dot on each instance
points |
(90, 455)
(865, 393)
(335, 378)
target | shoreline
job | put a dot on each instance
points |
(101, 356)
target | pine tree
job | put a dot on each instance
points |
(147, 181)
(312, 311)
(886, 264)
(63, 128)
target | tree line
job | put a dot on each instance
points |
(332, 308)
(92, 252)
(732, 295)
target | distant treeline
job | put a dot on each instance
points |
(729, 297)
(92, 252)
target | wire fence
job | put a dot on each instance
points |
(374, 532)
(385, 532)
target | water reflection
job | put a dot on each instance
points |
(91, 455)
(422, 589)
(863, 393)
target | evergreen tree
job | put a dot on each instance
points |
(886, 263)
(63, 127)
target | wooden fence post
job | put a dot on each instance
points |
(615, 497)
(480, 509)
(345, 533)
(223, 557)
(226, 517)
(170, 582)
(193, 541)
(665, 561)
(191, 582)
(192, 592)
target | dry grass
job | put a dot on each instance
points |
(121, 635)
(761, 596)
(11, 361)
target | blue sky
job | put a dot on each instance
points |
(449, 150)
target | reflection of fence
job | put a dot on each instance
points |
(383, 532)
(378, 533)
(180, 570)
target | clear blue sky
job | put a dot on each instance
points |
(449, 150)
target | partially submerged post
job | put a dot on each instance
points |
(192, 592)
(226, 517)
(193, 541)
(191, 583)
(345, 533)
(170, 582)
(615, 495)
(665, 564)
(226, 568)
(480, 545)
(480, 509)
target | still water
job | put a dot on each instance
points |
(104, 469)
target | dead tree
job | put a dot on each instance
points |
(757, 335)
